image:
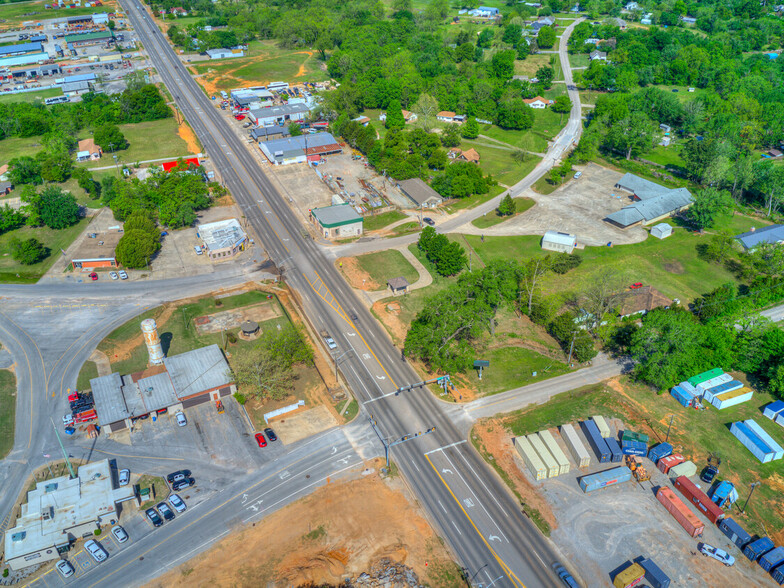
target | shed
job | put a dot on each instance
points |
(557, 241)
(398, 285)
(422, 195)
(249, 328)
(661, 231)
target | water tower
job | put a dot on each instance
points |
(153, 342)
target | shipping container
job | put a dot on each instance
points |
(766, 438)
(580, 454)
(716, 388)
(659, 451)
(654, 575)
(556, 451)
(699, 499)
(780, 419)
(665, 463)
(778, 575)
(535, 465)
(682, 396)
(632, 436)
(733, 398)
(721, 493)
(629, 577)
(751, 442)
(734, 532)
(675, 506)
(597, 443)
(772, 559)
(773, 409)
(605, 478)
(629, 447)
(615, 450)
(544, 455)
(687, 468)
(756, 549)
(601, 424)
(689, 388)
(705, 376)
(702, 387)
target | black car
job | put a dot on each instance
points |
(154, 517)
(182, 484)
(178, 476)
(270, 434)
(429, 221)
(167, 513)
(709, 473)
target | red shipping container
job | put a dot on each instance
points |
(665, 463)
(699, 499)
(674, 505)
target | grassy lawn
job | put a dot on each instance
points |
(579, 60)
(493, 218)
(512, 367)
(406, 229)
(11, 271)
(531, 63)
(379, 221)
(499, 163)
(523, 139)
(348, 409)
(474, 200)
(695, 433)
(17, 13)
(384, 265)
(672, 265)
(666, 155)
(7, 411)
(148, 140)
(159, 490)
(19, 147)
(590, 96)
(544, 186)
(31, 96)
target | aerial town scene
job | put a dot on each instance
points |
(391, 293)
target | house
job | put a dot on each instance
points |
(665, 141)
(773, 234)
(278, 115)
(641, 301)
(560, 242)
(407, 116)
(632, 6)
(181, 381)
(337, 222)
(665, 128)
(6, 187)
(87, 146)
(538, 102)
(61, 510)
(688, 20)
(647, 19)
(398, 286)
(267, 133)
(446, 116)
(225, 53)
(484, 12)
(538, 26)
(618, 22)
(363, 120)
(652, 202)
(96, 252)
(222, 240)
(299, 149)
(4, 172)
(469, 155)
(547, 21)
(592, 41)
(422, 195)
(661, 231)
(596, 54)
(774, 153)
(178, 11)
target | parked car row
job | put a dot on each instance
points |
(121, 275)
(163, 511)
(262, 441)
(96, 551)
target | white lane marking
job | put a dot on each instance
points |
(356, 375)
(456, 529)
(442, 506)
(214, 539)
(445, 447)
(489, 577)
(481, 481)
(415, 465)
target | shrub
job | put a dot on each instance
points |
(563, 262)
(231, 338)
(97, 532)
(29, 251)
(240, 398)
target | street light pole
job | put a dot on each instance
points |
(672, 416)
(753, 485)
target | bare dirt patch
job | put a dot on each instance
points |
(229, 319)
(211, 79)
(674, 267)
(389, 314)
(186, 134)
(323, 539)
(355, 275)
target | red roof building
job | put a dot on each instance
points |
(170, 165)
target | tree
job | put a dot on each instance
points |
(24, 170)
(56, 166)
(708, 204)
(546, 37)
(29, 251)
(425, 108)
(451, 259)
(632, 135)
(135, 248)
(294, 129)
(394, 118)
(519, 155)
(141, 220)
(507, 206)
(10, 219)
(503, 64)
(562, 105)
(512, 34)
(514, 114)
(600, 297)
(485, 39)
(450, 136)
(470, 130)
(57, 209)
(545, 75)
(109, 138)
(532, 271)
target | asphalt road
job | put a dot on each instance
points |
(464, 498)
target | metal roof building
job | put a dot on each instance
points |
(293, 149)
(27, 59)
(21, 49)
(223, 239)
(654, 202)
(773, 234)
(75, 87)
(557, 241)
(420, 193)
(88, 77)
(337, 221)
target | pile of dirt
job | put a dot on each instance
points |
(356, 276)
(388, 314)
(326, 539)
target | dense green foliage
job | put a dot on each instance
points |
(29, 251)
(136, 248)
(109, 138)
(51, 207)
(448, 256)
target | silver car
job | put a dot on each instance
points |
(114, 276)
(125, 477)
(65, 568)
(119, 534)
(94, 548)
(177, 502)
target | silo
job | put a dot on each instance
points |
(153, 342)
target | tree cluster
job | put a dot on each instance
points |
(140, 241)
(448, 257)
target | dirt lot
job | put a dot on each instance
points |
(578, 207)
(325, 538)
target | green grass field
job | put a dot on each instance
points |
(499, 163)
(406, 229)
(384, 265)
(147, 140)
(7, 411)
(493, 218)
(19, 147)
(579, 60)
(11, 271)
(521, 139)
(474, 200)
(697, 433)
(512, 367)
(31, 96)
(666, 155)
(13, 15)
(379, 221)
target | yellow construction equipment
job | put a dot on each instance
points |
(634, 463)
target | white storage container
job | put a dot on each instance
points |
(601, 424)
(777, 450)
(556, 451)
(580, 454)
(733, 398)
(535, 465)
(708, 384)
(687, 468)
(548, 460)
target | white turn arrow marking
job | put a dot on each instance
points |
(446, 471)
(334, 450)
(381, 377)
(351, 334)
(494, 538)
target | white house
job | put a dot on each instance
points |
(484, 12)
(446, 116)
(596, 54)
(647, 19)
(632, 6)
(538, 102)
(560, 242)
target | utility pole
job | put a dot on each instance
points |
(753, 485)
(672, 416)
(387, 445)
(65, 454)
(337, 359)
(571, 348)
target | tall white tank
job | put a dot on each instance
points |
(153, 342)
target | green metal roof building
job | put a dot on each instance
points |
(337, 221)
(88, 38)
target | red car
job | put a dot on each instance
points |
(93, 276)
(261, 440)
(239, 116)
(636, 285)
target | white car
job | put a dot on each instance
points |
(197, 249)
(94, 548)
(119, 534)
(331, 343)
(125, 477)
(65, 568)
(181, 420)
(717, 554)
(177, 503)
(123, 275)
(578, 175)
(114, 276)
